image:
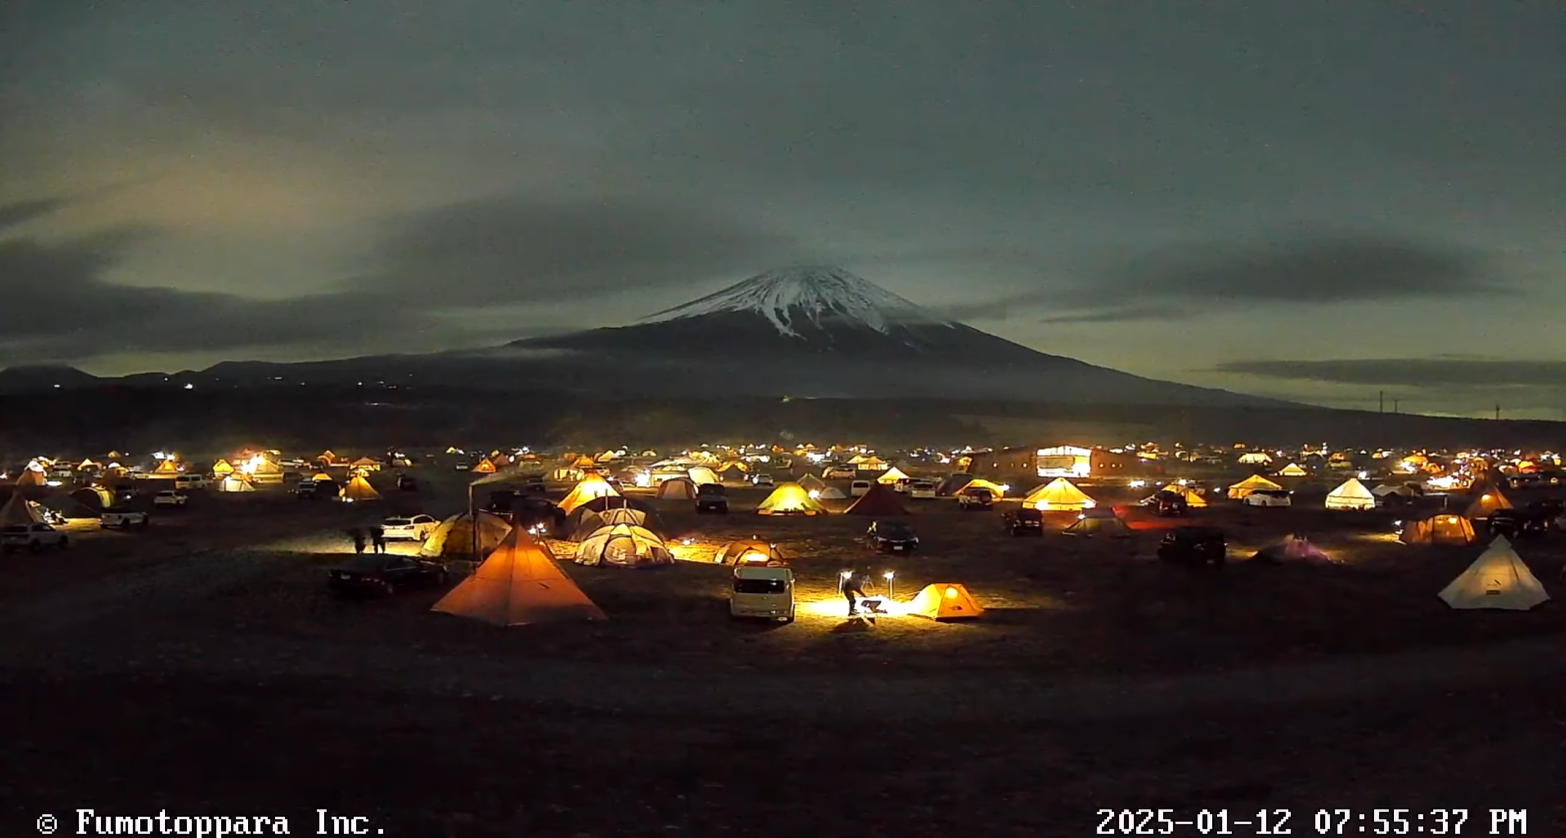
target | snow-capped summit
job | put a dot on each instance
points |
(790, 297)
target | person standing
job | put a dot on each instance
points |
(358, 540)
(378, 539)
(854, 583)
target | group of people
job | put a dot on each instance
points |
(374, 537)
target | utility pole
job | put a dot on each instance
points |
(1381, 401)
(1497, 411)
(1395, 403)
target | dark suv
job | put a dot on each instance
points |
(712, 497)
(892, 537)
(976, 500)
(1025, 521)
(1194, 546)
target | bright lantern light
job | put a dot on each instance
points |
(951, 593)
(888, 575)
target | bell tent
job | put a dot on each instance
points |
(945, 601)
(1351, 495)
(790, 499)
(1497, 579)
(519, 584)
(1254, 483)
(453, 539)
(623, 545)
(1099, 521)
(880, 501)
(589, 487)
(1058, 495)
(1444, 528)
(747, 551)
(1489, 500)
(677, 488)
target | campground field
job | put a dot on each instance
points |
(202, 665)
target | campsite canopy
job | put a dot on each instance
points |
(747, 550)
(879, 501)
(1497, 579)
(623, 545)
(790, 499)
(1099, 521)
(1351, 495)
(1443, 528)
(519, 584)
(1058, 495)
(589, 487)
(945, 601)
(453, 539)
(1254, 483)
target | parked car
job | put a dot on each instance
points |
(921, 490)
(408, 528)
(1024, 521)
(762, 480)
(975, 500)
(892, 537)
(316, 489)
(837, 473)
(712, 497)
(384, 574)
(407, 484)
(124, 519)
(173, 498)
(1515, 523)
(763, 593)
(190, 481)
(1194, 547)
(859, 488)
(1170, 505)
(32, 537)
(1269, 497)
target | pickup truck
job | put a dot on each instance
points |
(33, 537)
(171, 497)
(124, 519)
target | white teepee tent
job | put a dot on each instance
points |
(1497, 579)
(1351, 495)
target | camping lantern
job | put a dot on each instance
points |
(891, 590)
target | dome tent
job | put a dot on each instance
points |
(623, 545)
(453, 539)
(588, 488)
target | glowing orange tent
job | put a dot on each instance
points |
(519, 584)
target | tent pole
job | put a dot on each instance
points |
(473, 524)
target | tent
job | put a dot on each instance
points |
(1058, 495)
(589, 487)
(19, 511)
(1099, 521)
(222, 467)
(1497, 579)
(519, 584)
(891, 476)
(734, 472)
(1444, 528)
(702, 474)
(680, 488)
(329, 456)
(1185, 493)
(879, 501)
(996, 490)
(1295, 548)
(483, 466)
(953, 484)
(30, 477)
(167, 467)
(1489, 500)
(945, 601)
(1351, 495)
(235, 483)
(1254, 483)
(359, 489)
(790, 499)
(830, 493)
(593, 521)
(1402, 490)
(68, 507)
(453, 539)
(747, 551)
(1293, 470)
(623, 545)
(812, 483)
(1255, 458)
(94, 497)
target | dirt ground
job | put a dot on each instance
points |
(201, 667)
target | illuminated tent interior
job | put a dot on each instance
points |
(891, 476)
(1351, 495)
(588, 488)
(359, 489)
(235, 483)
(1254, 483)
(1498, 579)
(747, 551)
(944, 601)
(1099, 521)
(1489, 500)
(1185, 493)
(519, 584)
(222, 467)
(623, 545)
(678, 488)
(453, 539)
(1058, 495)
(790, 499)
(1444, 528)
(1293, 470)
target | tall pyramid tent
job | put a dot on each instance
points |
(359, 489)
(880, 501)
(167, 467)
(945, 601)
(235, 483)
(1293, 470)
(1254, 483)
(589, 487)
(891, 476)
(790, 499)
(1497, 579)
(1489, 500)
(519, 584)
(18, 511)
(483, 466)
(1099, 521)
(1443, 528)
(1351, 495)
(1058, 495)
(453, 539)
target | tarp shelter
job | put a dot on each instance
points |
(519, 584)
(1254, 483)
(589, 487)
(891, 476)
(1058, 495)
(235, 483)
(167, 467)
(222, 467)
(18, 511)
(953, 484)
(790, 499)
(810, 482)
(1099, 521)
(880, 501)
(945, 601)
(69, 508)
(1489, 500)
(1497, 579)
(592, 521)
(1293, 470)
(483, 466)
(1185, 493)
(747, 551)
(678, 488)
(359, 489)
(702, 474)
(1443, 528)
(623, 545)
(1351, 495)
(1295, 548)
(453, 539)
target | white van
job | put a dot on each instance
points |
(859, 487)
(764, 593)
(190, 481)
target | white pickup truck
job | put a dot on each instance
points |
(31, 537)
(124, 519)
(172, 498)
